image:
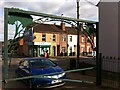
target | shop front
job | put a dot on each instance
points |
(41, 47)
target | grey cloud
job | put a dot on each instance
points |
(93, 2)
(67, 7)
(1, 37)
(88, 11)
(1, 26)
(35, 6)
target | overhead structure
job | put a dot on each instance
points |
(27, 19)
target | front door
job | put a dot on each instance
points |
(54, 51)
(58, 50)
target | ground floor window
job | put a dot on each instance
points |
(88, 49)
(82, 49)
(40, 50)
(43, 49)
(63, 49)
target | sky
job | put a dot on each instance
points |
(88, 10)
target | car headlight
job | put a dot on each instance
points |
(47, 76)
(55, 76)
(63, 74)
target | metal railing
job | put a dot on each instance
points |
(42, 76)
(111, 71)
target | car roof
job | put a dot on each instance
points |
(29, 59)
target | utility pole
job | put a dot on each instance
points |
(78, 32)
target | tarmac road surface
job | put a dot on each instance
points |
(15, 85)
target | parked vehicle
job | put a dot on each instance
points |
(40, 66)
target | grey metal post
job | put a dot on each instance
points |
(5, 44)
(98, 58)
(98, 70)
(78, 32)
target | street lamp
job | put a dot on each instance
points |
(78, 32)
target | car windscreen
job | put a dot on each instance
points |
(42, 63)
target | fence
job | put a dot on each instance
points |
(111, 72)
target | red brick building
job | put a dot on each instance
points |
(53, 38)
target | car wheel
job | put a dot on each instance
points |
(30, 84)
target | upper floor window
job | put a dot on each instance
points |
(70, 38)
(54, 37)
(63, 38)
(83, 39)
(43, 37)
(82, 49)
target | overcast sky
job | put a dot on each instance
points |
(88, 11)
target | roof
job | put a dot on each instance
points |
(71, 30)
(52, 28)
(47, 28)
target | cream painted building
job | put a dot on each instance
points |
(72, 44)
(109, 35)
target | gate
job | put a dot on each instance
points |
(8, 11)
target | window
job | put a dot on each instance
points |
(70, 38)
(54, 37)
(42, 63)
(88, 49)
(63, 49)
(70, 49)
(82, 49)
(43, 37)
(83, 39)
(23, 64)
(95, 41)
(63, 38)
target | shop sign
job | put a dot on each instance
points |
(42, 43)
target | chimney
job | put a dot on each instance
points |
(62, 24)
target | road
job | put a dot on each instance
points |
(69, 85)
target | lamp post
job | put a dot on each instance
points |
(78, 32)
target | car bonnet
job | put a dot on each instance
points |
(39, 71)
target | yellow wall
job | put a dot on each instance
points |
(49, 38)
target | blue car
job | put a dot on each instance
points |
(40, 66)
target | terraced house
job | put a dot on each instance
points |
(43, 37)
(57, 40)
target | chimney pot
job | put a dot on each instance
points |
(63, 26)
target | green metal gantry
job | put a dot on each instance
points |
(15, 10)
